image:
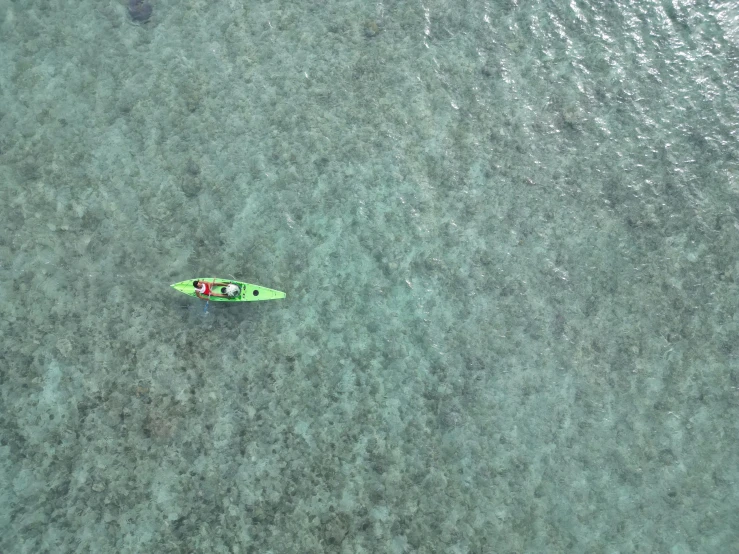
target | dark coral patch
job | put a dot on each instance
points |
(139, 10)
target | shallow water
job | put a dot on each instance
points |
(507, 234)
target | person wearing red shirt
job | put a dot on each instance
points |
(204, 290)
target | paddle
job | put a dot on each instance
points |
(205, 310)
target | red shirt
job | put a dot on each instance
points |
(206, 292)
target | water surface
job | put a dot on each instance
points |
(507, 233)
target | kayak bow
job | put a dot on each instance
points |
(249, 293)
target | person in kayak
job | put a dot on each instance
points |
(204, 290)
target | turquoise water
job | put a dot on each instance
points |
(507, 232)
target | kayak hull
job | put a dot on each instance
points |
(249, 292)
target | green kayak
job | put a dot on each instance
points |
(227, 290)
